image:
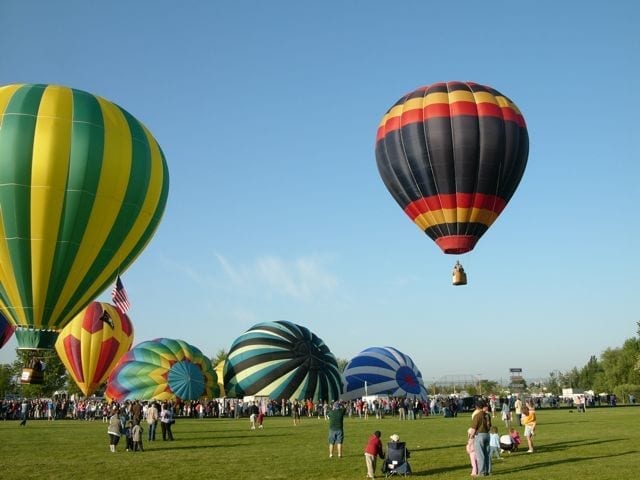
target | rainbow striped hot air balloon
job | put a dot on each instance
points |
(93, 342)
(383, 370)
(281, 360)
(83, 186)
(162, 369)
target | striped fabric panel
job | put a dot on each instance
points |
(83, 186)
(460, 100)
(276, 359)
(452, 155)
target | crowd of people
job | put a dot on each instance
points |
(483, 441)
(133, 421)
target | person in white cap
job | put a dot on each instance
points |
(397, 457)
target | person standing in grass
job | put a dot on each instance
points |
(494, 443)
(336, 429)
(506, 414)
(518, 410)
(166, 420)
(372, 451)
(295, 411)
(151, 416)
(113, 430)
(24, 412)
(260, 419)
(136, 435)
(479, 431)
(471, 450)
(529, 421)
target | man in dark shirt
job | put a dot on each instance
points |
(336, 428)
(480, 425)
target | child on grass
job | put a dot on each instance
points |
(471, 450)
(494, 443)
(136, 436)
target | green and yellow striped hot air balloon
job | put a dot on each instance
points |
(83, 186)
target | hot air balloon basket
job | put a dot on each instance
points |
(459, 278)
(31, 376)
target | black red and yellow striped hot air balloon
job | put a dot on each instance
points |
(83, 186)
(452, 155)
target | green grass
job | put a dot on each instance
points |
(602, 444)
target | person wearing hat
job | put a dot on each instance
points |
(397, 454)
(336, 429)
(372, 451)
(479, 432)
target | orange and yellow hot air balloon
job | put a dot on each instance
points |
(93, 342)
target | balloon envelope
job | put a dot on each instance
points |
(162, 369)
(281, 360)
(452, 155)
(93, 342)
(6, 330)
(383, 370)
(83, 186)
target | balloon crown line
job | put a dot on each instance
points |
(21, 327)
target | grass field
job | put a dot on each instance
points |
(602, 444)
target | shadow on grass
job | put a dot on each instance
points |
(435, 471)
(178, 446)
(438, 447)
(202, 435)
(563, 461)
(534, 466)
(551, 447)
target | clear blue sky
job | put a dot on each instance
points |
(267, 114)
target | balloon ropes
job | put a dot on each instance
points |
(83, 186)
(452, 155)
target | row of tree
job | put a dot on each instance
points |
(617, 371)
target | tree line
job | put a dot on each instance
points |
(617, 371)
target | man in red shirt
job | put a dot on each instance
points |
(372, 451)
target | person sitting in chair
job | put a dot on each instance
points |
(396, 461)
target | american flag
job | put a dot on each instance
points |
(119, 296)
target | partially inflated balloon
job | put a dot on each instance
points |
(162, 369)
(6, 330)
(93, 342)
(83, 186)
(452, 155)
(386, 370)
(281, 360)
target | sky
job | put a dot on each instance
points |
(267, 115)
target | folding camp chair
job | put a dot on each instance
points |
(395, 463)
